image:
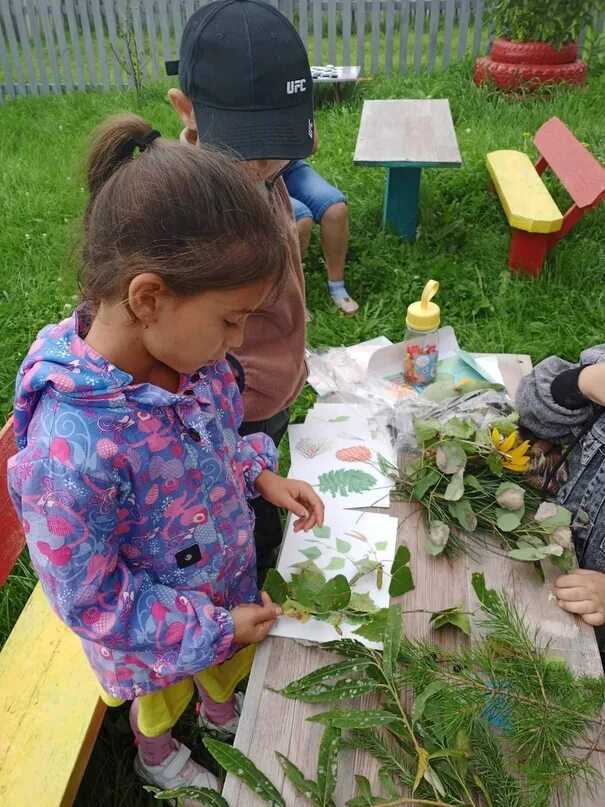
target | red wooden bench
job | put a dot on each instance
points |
(50, 710)
(537, 224)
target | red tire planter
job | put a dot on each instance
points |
(513, 76)
(510, 52)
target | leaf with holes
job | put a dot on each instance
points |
(204, 795)
(327, 675)
(327, 765)
(373, 629)
(233, 761)
(355, 718)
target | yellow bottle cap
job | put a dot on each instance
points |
(425, 315)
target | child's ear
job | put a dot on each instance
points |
(183, 108)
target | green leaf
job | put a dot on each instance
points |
(327, 765)
(334, 595)
(296, 610)
(471, 481)
(464, 514)
(391, 641)
(327, 675)
(423, 763)
(362, 603)
(426, 429)
(506, 425)
(233, 761)
(488, 597)
(342, 546)
(343, 481)
(339, 419)
(275, 586)
(373, 629)
(421, 700)
(296, 777)
(455, 427)
(529, 553)
(322, 532)
(455, 489)
(355, 718)
(386, 781)
(363, 785)
(401, 575)
(335, 563)
(561, 519)
(426, 481)
(305, 585)
(452, 616)
(205, 796)
(508, 520)
(341, 689)
(312, 552)
(494, 463)
(380, 546)
(451, 457)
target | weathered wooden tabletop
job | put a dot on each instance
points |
(407, 133)
(272, 723)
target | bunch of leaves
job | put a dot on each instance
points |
(310, 594)
(502, 723)
(462, 481)
(553, 21)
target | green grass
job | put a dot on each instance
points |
(463, 243)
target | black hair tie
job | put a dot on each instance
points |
(147, 139)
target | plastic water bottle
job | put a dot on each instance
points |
(421, 341)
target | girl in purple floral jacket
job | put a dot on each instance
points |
(131, 480)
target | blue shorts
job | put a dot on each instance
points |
(310, 194)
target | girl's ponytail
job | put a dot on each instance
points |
(113, 144)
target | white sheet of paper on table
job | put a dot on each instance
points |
(322, 442)
(376, 528)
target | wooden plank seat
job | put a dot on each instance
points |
(526, 201)
(536, 221)
(50, 710)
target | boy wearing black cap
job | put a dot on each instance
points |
(246, 87)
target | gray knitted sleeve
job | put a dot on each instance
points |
(538, 410)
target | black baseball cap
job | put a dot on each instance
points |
(246, 71)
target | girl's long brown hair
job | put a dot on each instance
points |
(192, 215)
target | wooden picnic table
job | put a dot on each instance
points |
(406, 136)
(270, 722)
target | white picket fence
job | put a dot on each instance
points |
(57, 46)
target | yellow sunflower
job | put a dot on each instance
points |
(514, 454)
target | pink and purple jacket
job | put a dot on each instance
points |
(134, 504)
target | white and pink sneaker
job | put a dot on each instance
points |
(177, 770)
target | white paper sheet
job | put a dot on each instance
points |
(380, 534)
(342, 461)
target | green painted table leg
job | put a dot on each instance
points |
(401, 201)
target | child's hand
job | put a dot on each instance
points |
(296, 496)
(253, 622)
(583, 592)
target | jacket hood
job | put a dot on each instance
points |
(62, 364)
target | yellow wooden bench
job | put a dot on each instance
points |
(536, 221)
(526, 201)
(50, 710)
